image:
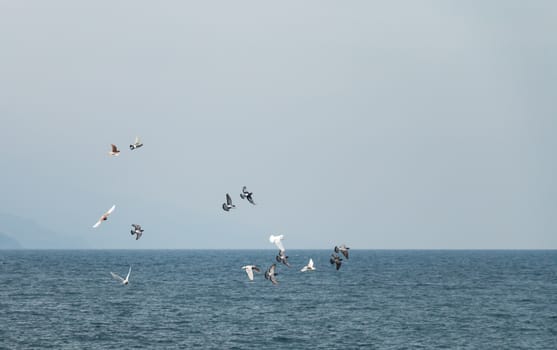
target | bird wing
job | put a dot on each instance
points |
(228, 199)
(110, 210)
(345, 253)
(114, 148)
(256, 268)
(129, 271)
(137, 140)
(117, 277)
(244, 189)
(310, 264)
(250, 273)
(138, 235)
(304, 269)
(278, 242)
(97, 224)
(224, 207)
(250, 199)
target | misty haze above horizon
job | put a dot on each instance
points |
(398, 125)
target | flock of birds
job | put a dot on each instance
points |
(270, 273)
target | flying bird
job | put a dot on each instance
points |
(247, 195)
(282, 258)
(119, 278)
(335, 259)
(277, 240)
(137, 230)
(114, 151)
(343, 249)
(249, 270)
(270, 274)
(136, 144)
(309, 266)
(228, 205)
(104, 217)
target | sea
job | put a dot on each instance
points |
(183, 299)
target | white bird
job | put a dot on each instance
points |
(249, 270)
(114, 150)
(309, 266)
(104, 217)
(277, 240)
(119, 278)
(136, 144)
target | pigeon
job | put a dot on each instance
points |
(104, 217)
(309, 266)
(343, 249)
(247, 195)
(335, 259)
(277, 240)
(137, 230)
(249, 270)
(228, 205)
(136, 144)
(270, 274)
(114, 151)
(282, 258)
(119, 278)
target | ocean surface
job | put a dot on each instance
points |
(180, 299)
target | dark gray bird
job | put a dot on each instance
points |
(137, 230)
(270, 274)
(282, 258)
(136, 144)
(335, 259)
(343, 249)
(247, 195)
(228, 205)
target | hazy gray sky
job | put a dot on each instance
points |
(380, 124)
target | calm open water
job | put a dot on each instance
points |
(201, 298)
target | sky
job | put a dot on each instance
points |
(379, 124)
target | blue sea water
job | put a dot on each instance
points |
(180, 299)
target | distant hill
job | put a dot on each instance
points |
(7, 242)
(28, 234)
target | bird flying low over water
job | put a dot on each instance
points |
(270, 274)
(282, 258)
(228, 205)
(136, 144)
(277, 240)
(114, 150)
(309, 266)
(335, 259)
(343, 249)
(249, 270)
(247, 195)
(104, 217)
(121, 279)
(137, 230)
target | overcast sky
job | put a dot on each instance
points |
(379, 124)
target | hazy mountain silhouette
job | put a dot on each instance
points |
(7, 242)
(19, 232)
